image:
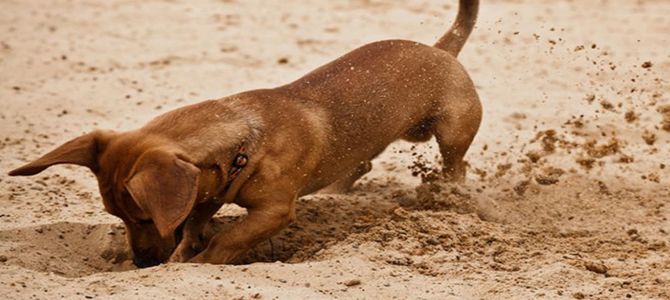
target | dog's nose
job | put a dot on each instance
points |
(145, 262)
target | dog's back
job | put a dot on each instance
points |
(390, 90)
(399, 78)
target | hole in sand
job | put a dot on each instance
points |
(426, 222)
(78, 249)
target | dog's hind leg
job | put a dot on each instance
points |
(344, 185)
(454, 130)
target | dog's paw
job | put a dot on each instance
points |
(184, 252)
(180, 256)
(454, 174)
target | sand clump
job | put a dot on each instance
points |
(665, 113)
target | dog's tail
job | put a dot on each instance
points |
(455, 38)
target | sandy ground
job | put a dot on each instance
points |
(567, 194)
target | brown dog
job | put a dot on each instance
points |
(262, 149)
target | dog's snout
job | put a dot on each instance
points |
(145, 262)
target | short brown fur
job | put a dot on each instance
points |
(320, 131)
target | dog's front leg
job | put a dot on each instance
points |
(191, 243)
(261, 223)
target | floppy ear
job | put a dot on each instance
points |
(81, 151)
(165, 187)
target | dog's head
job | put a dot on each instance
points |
(142, 179)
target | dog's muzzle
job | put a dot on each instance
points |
(145, 262)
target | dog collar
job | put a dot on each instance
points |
(239, 162)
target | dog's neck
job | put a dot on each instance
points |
(215, 180)
(241, 138)
(225, 137)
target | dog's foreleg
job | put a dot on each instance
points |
(261, 223)
(191, 243)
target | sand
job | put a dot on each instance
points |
(567, 192)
